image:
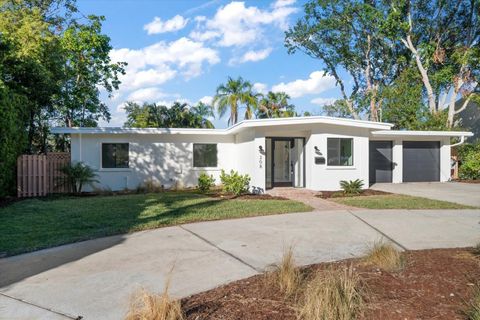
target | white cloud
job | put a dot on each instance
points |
(158, 26)
(316, 83)
(252, 56)
(283, 3)
(162, 61)
(206, 99)
(146, 95)
(323, 101)
(237, 25)
(260, 87)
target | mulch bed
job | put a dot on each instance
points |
(467, 181)
(250, 196)
(340, 194)
(435, 284)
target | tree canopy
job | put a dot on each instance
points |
(179, 115)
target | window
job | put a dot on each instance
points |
(204, 155)
(114, 155)
(340, 152)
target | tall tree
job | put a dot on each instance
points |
(443, 38)
(347, 36)
(87, 68)
(204, 112)
(275, 105)
(232, 95)
(179, 115)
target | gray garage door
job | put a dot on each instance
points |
(380, 161)
(421, 161)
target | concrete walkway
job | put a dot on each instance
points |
(308, 197)
(463, 193)
(94, 279)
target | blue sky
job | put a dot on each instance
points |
(182, 50)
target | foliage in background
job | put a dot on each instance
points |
(53, 62)
(235, 183)
(275, 105)
(78, 175)
(385, 45)
(347, 36)
(352, 186)
(205, 182)
(233, 95)
(179, 115)
(469, 156)
(86, 68)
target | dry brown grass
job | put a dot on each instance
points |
(145, 305)
(285, 276)
(384, 255)
(476, 249)
(332, 294)
(473, 307)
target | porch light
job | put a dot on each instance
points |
(260, 148)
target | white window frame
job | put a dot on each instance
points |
(347, 167)
(193, 157)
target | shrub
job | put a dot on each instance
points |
(148, 306)
(285, 276)
(385, 255)
(205, 182)
(332, 294)
(476, 249)
(469, 156)
(78, 175)
(352, 186)
(235, 183)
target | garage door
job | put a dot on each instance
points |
(380, 161)
(421, 161)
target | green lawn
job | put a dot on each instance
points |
(35, 224)
(397, 201)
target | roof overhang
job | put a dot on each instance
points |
(233, 129)
(401, 133)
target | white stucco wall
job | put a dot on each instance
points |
(324, 177)
(168, 158)
(165, 159)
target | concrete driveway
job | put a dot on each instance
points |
(94, 279)
(463, 193)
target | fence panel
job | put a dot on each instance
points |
(39, 175)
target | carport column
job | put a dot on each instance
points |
(445, 159)
(397, 158)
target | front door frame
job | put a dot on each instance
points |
(285, 184)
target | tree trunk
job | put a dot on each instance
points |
(423, 72)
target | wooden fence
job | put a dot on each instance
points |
(39, 175)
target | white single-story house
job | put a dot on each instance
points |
(305, 152)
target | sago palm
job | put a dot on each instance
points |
(232, 95)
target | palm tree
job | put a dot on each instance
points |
(204, 111)
(233, 94)
(276, 105)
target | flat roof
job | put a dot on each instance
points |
(405, 133)
(231, 130)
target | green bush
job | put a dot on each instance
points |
(78, 175)
(205, 182)
(352, 186)
(235, 183)
(469, 156)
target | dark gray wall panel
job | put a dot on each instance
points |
(421, 161)
(380, 166)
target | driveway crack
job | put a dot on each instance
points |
(222, 250)
(41, 307)
(379, 231)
